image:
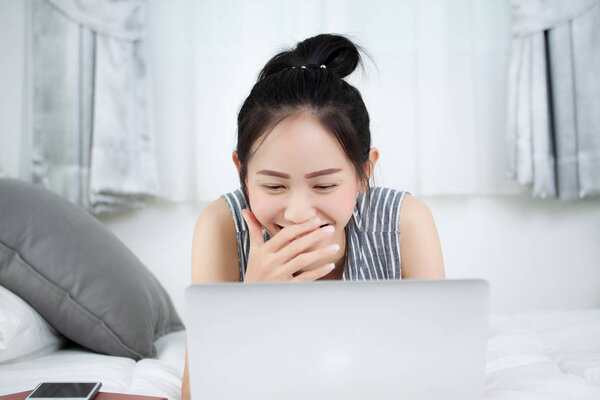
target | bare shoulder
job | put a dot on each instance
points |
(420, 247)
(217, 211)
(214, 245)
(413, 212)
(215, 218)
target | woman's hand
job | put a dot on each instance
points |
(287, 252)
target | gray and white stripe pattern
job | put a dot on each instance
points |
(372, 235)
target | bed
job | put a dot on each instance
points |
(544, 355)
(159, 376)
(534, 355)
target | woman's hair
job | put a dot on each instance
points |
(308, 79)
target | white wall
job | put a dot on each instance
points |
(536, 254)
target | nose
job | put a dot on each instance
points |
(299, 208)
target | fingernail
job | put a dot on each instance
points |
(328, 230)
(333, 248)
(316, 221)
(330, 267)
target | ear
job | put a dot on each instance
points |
(236, 161)
(369, 167)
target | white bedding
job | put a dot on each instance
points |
(544, 355)
(537, 355)
(160, 376)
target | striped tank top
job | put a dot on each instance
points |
(372, 235)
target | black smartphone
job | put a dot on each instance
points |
(65, 391)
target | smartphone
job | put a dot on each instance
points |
(65, 391)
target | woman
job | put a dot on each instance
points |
(305, 210)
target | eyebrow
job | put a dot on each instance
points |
(311, 175)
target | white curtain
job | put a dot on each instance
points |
(553, 131)
(91, 139)
(436, 94)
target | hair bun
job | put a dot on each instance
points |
(336, 52)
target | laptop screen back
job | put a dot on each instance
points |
(417, 339)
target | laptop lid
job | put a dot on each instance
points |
(410, 339)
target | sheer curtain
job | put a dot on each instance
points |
(553, 130)
(91, 140)
(436, 91)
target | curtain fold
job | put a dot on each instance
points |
(553, 134)
(91, 132)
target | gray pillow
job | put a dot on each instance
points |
(78, 275)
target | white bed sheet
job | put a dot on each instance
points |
(544, 355)
(160, 376)
(531, 356)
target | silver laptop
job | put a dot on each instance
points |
(412, 339)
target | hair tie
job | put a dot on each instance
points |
(311, 66)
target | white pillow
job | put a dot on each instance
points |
(23, 332)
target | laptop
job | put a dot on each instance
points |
(401, 339)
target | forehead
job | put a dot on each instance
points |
(298, 141)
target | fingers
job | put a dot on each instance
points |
(304, 243)
(289, 233)
(314, 274)
(295, 249)
(310, 260)
(254, 228)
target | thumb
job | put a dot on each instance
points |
(256, 235)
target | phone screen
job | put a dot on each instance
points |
(50, 390)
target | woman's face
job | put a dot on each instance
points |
(300, 171)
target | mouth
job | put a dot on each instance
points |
(279, 227)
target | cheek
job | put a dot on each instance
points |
(263, 206)
(344, 204)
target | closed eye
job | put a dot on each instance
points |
(277, 187)
(272, 187)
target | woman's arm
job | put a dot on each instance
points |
(185, 383)
(214, 246)
(420, 249)
(214, 257)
